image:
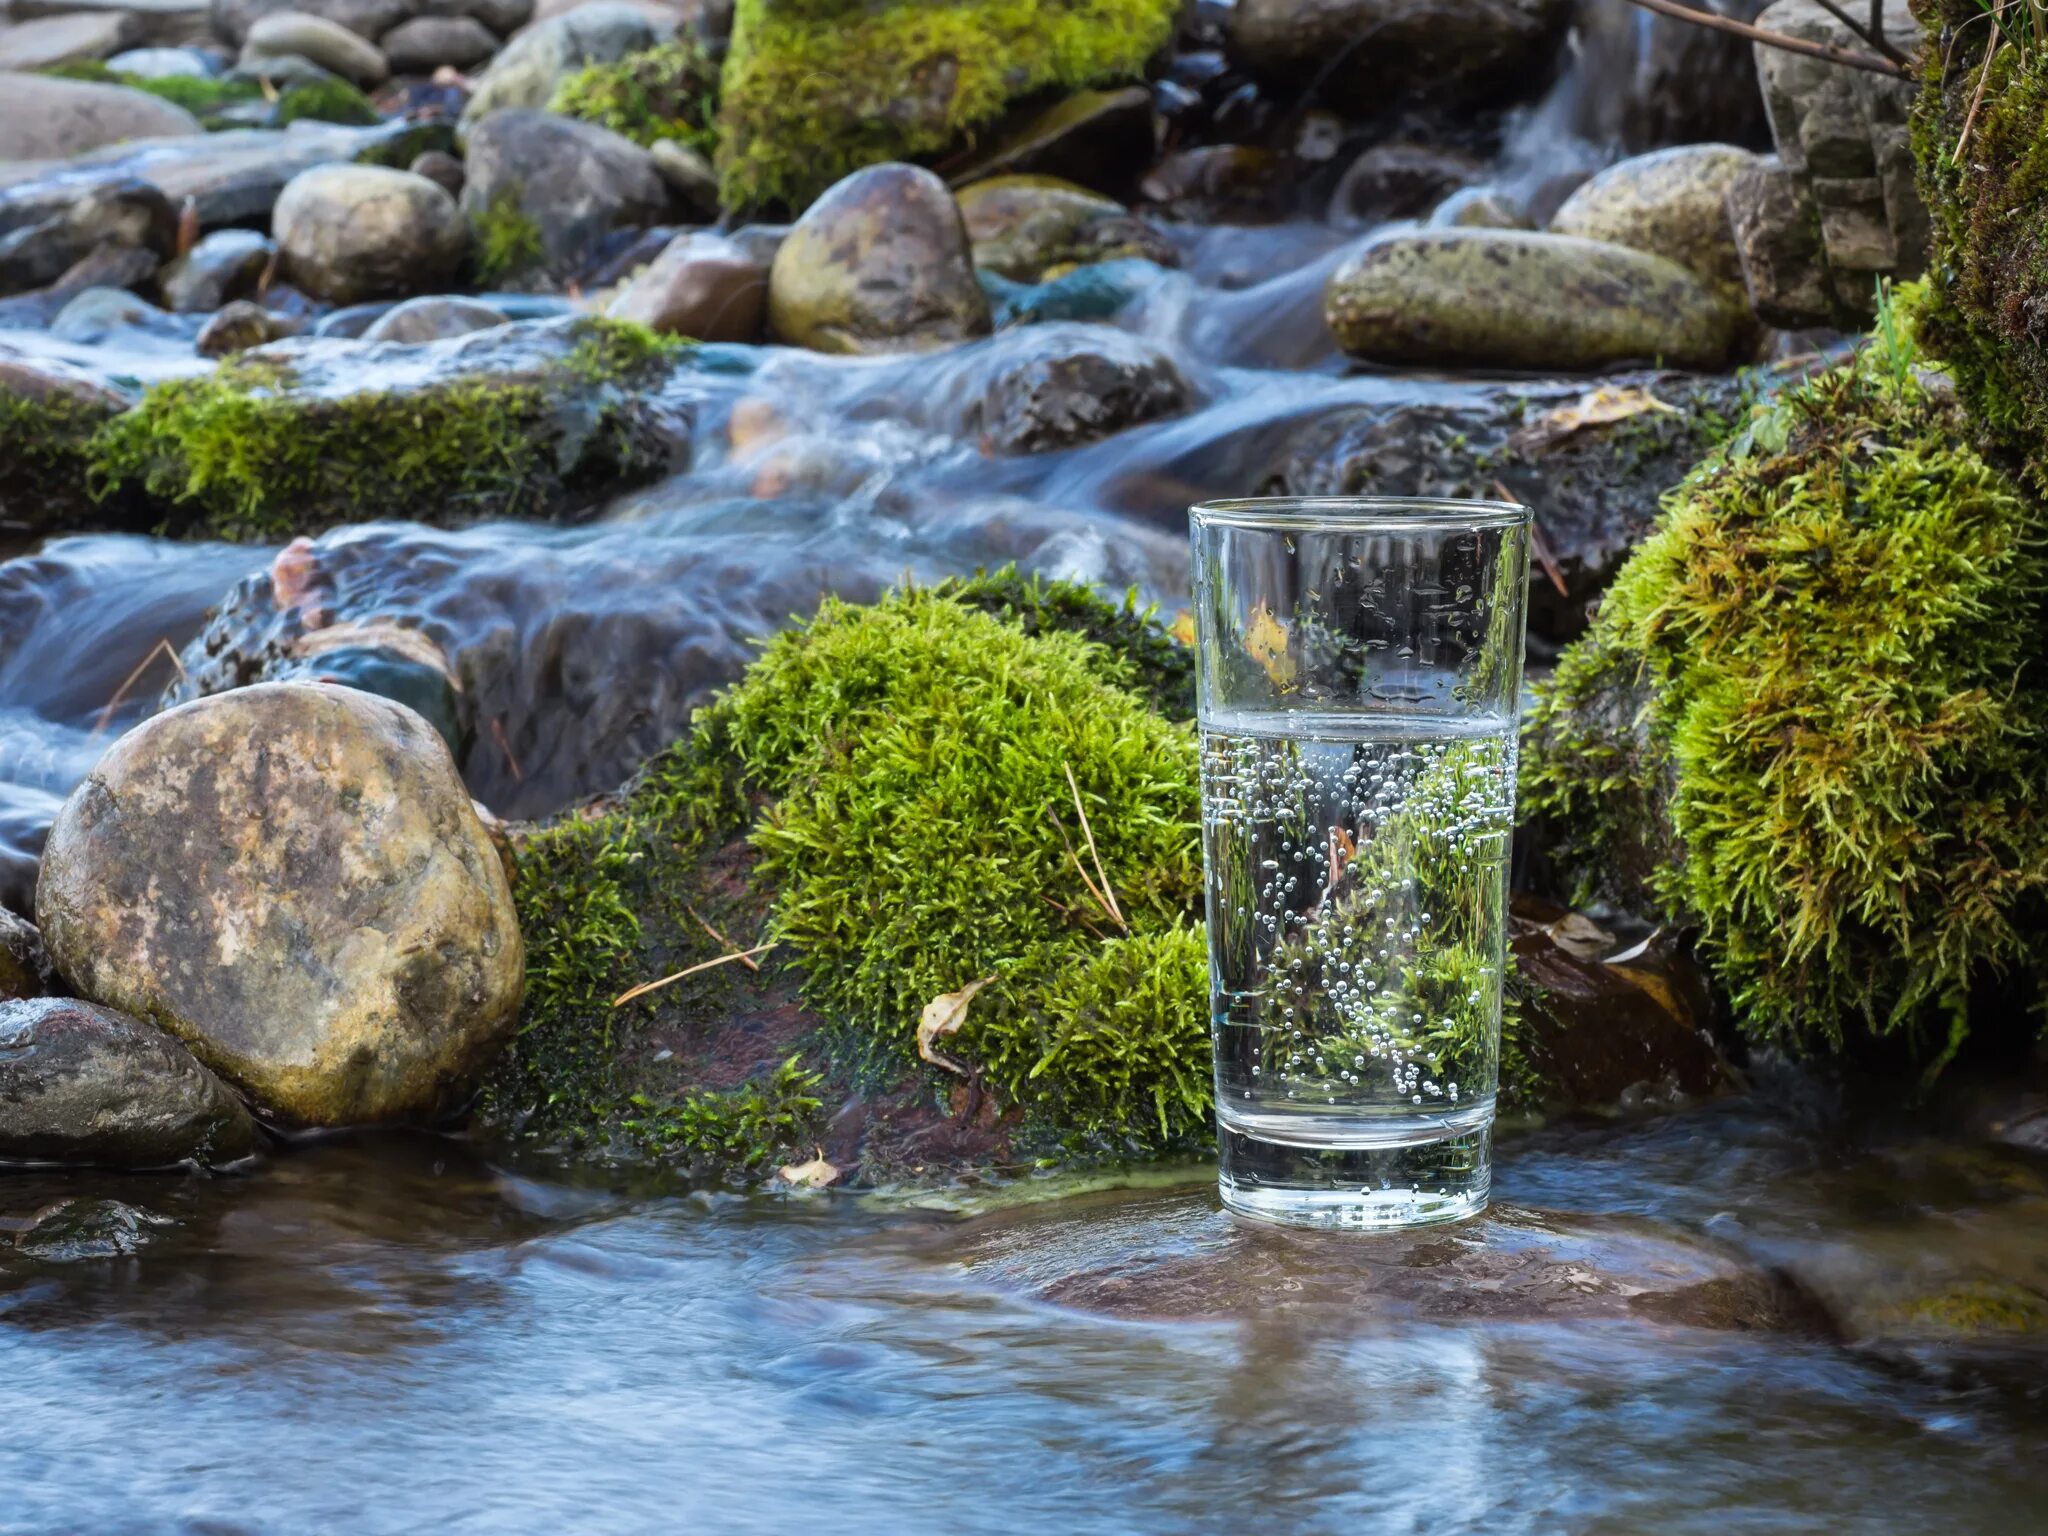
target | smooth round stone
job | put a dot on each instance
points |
(355, 232)
(433, 319)
(328, 44)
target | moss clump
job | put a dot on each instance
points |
(736, 1130)
(239, 453)
(211, 99)
(506, 242)
(1990, 215)
(1817, 689)
(325, 101)
(44, 457)
(666, 92)
(815, 89)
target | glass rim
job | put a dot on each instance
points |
(1350, 514)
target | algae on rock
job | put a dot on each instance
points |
(247, 452)
(666, 92)
(1809, 717)
(816, 89)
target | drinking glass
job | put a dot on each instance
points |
(1359, 662)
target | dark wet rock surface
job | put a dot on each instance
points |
(573, 183)
(80, 1084)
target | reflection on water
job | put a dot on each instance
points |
(289, 1350)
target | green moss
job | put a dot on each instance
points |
(666, 92)
(1815, 697)
(44, 457)
(240, 453)
(506, 240)
(739, 1130)
(1980, 1307)
(814, 89)
(325, 101)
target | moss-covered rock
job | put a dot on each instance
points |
(48, 415)
(1988, 197)
(666, 92)
(520, 421)
(1808, 715)
(814, 89)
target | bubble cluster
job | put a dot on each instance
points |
(1357, 903)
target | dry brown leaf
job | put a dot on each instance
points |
(816, 1174)
(1596, 408)
(944, 1015)
(1182, 628)
(1577, 934)
(1265, 641)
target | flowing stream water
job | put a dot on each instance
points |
(1712, 1321)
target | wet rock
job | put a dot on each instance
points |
(48, 411)
(165, 63)
(573, 183)
(1608, 1023)
(85, 1084)
(442, 169)
(131, 213)
(329, 44)
(112, 316)
(1476, 208)
(433, 319)
(702, 285)
(52, 40)
(1592, 462)
(110, 265)
(1072, 385)
(688, 172)
(292, 880)
(51, 119)
(351, 232)
(1029, 228)
(1383, 51)
(225, 266)
(879, 263)
(526, 73)
(1399, 181)
(232, 20)
(1180, 1258)
(1776, 230)
(503, 17)
(78, 1231)
(1500, 298)
(240, 325)
(24, 963)
(425, 43)
(1221, 183)
(1102, 138)
(282, 72)
(1671, 203)
(1098, 292)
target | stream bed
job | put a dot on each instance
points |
(1672, 1325)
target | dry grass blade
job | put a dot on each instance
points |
(750, 963)
(646, 987)
(1109, 895)
(1080, 869)
(163, 647)
(1977, 99)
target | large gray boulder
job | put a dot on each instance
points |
(52, 119)
(292, 879)
(347, 233)
(1505, 298)
(296, 34)
(571, 183)
(526, 73)
(1369, 52)
(424, 44)
(85, 1084)
(880, 263)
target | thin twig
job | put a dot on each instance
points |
(747, 961)
(1827, 51)
(505, 746)
(1080, 869)
(1977, 100)
(162, 647)
(1876, 38)
(646, 987)
(1088, 832)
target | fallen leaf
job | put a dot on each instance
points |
(1265, 641)
(944, 1015)
(816, 1174)
(1596, 408)
(1183, 627)
(1577, 934)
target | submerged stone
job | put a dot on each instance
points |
(85, 1084)
(292, 879)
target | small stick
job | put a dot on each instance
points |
(1827, 51)
(745, 960)
(1872, 34)
(1079, 868)
(163, 647)
(1977, 100)
(1089, 832)
(505, 746)
(646, 987)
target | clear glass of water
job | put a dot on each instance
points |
(1359, 663)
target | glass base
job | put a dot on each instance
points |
(1356, 1188)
